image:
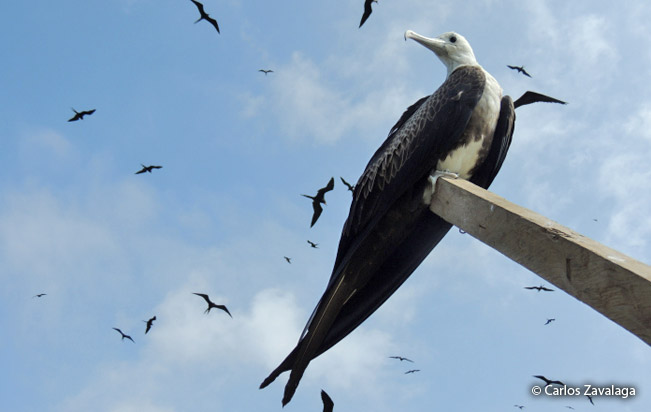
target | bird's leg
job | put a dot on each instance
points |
(431, 187)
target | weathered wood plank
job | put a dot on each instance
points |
(610, 282)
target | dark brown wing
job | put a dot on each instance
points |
(367, 12)
(204, 296)
(200, 7)
(316, 206)
(328, 404)
(320, 194)
(213, 22)
(533, 97)
(222, 307)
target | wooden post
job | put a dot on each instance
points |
(610, 282)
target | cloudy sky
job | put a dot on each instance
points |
(111, 248)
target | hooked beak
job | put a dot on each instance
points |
(434, 44)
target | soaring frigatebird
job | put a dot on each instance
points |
(266, 71)
(348, 185)
(539, 288)
(40, 295)
(205, 16)
(147, 169)
(549, 381)
(80, 115)
(367, 11)
(549, 321)
(313, 245)
(520, 69)
(288, 259)
(149, 323)
(212, 304)
(519, 406)
(412, 371)
(328, 404)
(400, 358)
(320, 198)
(465, 127)
(124, 336)
(533, 97)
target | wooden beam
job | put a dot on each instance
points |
(612, 283)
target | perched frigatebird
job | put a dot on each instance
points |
(149, 323)
(313, 245)
(124, 336)
(205, 16)
(533, 97)
(265, 71)
(212, 304)
(520, 69)
(465, 127)
(539, 288)
(549, 381)
(348, 185)
(320, 198)
(147, 169)
(367, 11)
(328, 404)
(80, 115)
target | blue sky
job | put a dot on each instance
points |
(111, 248)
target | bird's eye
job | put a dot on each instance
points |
(453, 39)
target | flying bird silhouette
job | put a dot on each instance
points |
(550, 321)
(539, 288)
(211, 304)
(519, 406)
(40, 295)
(590, 399)
(412, 371)
(533, 97)
(520, 69)
(149, 323)
(313, 245)
(80, 115)
(124, 336)
(367, 11)
(320, 198)
(147, 169)
(569, 407)
(288, 259)
(266, 72)
(328, 404)
(400, 358)
(205, 16)
(348, 185)
(548, 381)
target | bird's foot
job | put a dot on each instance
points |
(433, 177)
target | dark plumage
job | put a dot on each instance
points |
(288, 259)
(533, 97)
(124, 336)
(549, 381)
(519, 406)
(205, 16)
(149, 323)
(590, 399)
(348, 185)
(80, 115)
(320, 198)
(367, 11)
(400, 358)
(328, 404)
(539, 288)
(520, 69)
(549, 321)
(266, 72)
(211, 304)
(147, 169)
(412, 371)
(390, 229)
(40, 295)
(313, 245)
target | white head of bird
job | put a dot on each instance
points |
(452, 48)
